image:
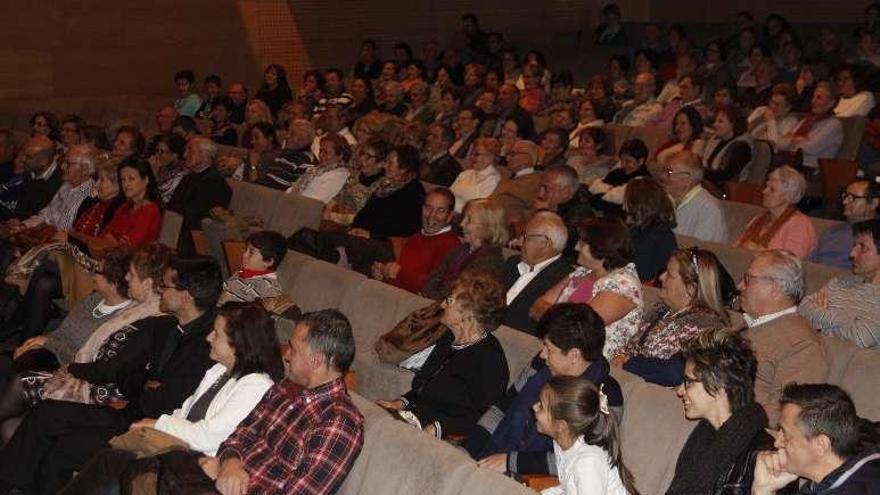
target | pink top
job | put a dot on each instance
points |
(796, 235)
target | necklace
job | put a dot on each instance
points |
(465, 345)
(102, 309)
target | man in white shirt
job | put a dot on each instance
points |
(697, 213)
(787, 347)
(539, 267)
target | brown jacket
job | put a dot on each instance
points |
(788, 350)
(516, 195)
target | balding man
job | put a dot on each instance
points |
(697, 213)
(539, 267)
(294, 159)
(508, 108)
(77, 168)
(519, 186)
(200, 190)
(42, 178)
(643, 106)
(787, 347)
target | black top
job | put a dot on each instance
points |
(356, 111)
(178, 363)
(652, 247)
(193, 198)
(397, 215)
(275, 98)
(371, 71)
(455, 387)
(35, 194)
(735, 157)
(443, 171)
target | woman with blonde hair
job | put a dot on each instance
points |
(694, 295)
(255, 112)
(484, 232)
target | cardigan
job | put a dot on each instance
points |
(76, 328)
(233, 402)
(455, 386)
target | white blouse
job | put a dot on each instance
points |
(585, 470)
(235, 400)
(474, 184)
(857, 105)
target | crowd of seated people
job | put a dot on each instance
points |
(489, 184)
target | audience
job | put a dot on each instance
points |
(481, 177)
(818, 440)
(644, 106)
(539, 267)
(787, 347)
(422, 252)
(846, 307)
(519, 187)
(324, 180)
(609, 191)
(695, 290)
(687, 130)
(188, 102)
(819, 134)
(728, 153)
(855, 99)
(275, 90)
(860, 201)
(782, 226)
(773, 121)
(718, 391)
(466, 371)
(41, 179)
(506, 439)
(439, 167)
(697, 213)
(168, 164)
(257, 279)
(650, 217)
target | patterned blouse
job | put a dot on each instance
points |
(623, 281)
(663, 332)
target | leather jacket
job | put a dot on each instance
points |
(737, 480)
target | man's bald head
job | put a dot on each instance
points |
(683, 171)
(37, 154)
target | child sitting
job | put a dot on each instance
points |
(257, 278)
(575, 415)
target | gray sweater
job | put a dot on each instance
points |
(75, 329)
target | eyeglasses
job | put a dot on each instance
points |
(694, 255)
(852, 197)
(748, 278)
(688, 381)
(526, 237)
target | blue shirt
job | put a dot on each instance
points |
(834, 247)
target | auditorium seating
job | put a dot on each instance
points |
(653, 427)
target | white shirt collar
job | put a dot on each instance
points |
(753, 322)
(441, 231)
(524, 267)
(525, 171)
(48, 172)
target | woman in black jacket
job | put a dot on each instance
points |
(718, 391)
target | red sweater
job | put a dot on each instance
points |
(420, 255)
(135, 228)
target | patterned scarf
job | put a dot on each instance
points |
(386, 186)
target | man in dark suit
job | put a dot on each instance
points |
(538, 268)
(439, 167)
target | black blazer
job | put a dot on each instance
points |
(517, 314)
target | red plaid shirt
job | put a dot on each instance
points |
(298, 441)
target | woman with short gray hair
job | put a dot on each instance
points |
(782, 226)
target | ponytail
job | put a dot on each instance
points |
(577, 401)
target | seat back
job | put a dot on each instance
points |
(617, 135)
(762, 155)
(321, 285)
(293, 212)
(744, 192)
(834, 175)
(169, 233)
(853, 130)
(860, 381)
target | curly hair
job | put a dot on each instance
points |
(481, 295)
(114, 267)
(151, 260)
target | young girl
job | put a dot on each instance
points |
(575, 415)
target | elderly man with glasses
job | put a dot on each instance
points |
(538, 268)
(860, 201)
(697, 213)
(787, 347)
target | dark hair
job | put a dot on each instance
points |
(408, 157)
(786, 90)
(446, 193)
(337, 71)
(475, 113)
(574, 326)
(379, 146)
(114, 267)
(562, 78)
(175, 142)
(736, 117)
(222, 101)
(448, 133)
(722, 50)
(524, 126)
(826, 410)
(622, 61)
(870, 228)
(187, 123)
(561, 134)
(270, 244)
(200, 276)
(330, 334)
(319, 77)
(696, 80)
(857, 73)
(98, 135)
(185, 74)
(453, 93)
(251, 333)
(609, 240)
(340, 145)
(651, 55)
(599, 137)
(405, 47)
(281, 74)
(647, 204)
(139, 143)
(418, 65)
(539, 58)
(150, 261)
(470, 16)
(267, 130)
(368, 84)
(75, 119)
(577, 401)
(724, 361)
(213, 78)
(482, 295)
(695, 120)
(611, 9)
(635, 148)
(145, 171)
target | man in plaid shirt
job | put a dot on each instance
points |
(306, 433)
